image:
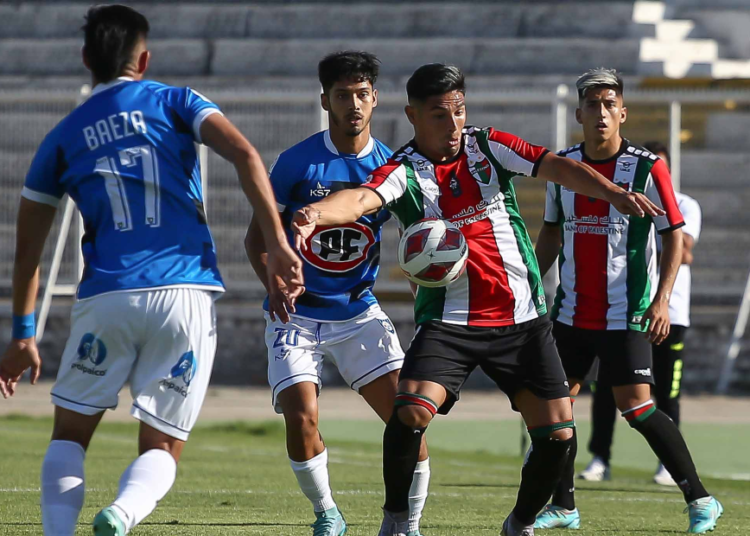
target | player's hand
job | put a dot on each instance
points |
(303, 225)
(634, 204)
(656, 321)
(285, 281)
(20, 355)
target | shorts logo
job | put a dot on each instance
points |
(283, 355)
(185, 368)
(92, 349)
(387, 325)
(643, 372)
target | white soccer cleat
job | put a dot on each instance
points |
(663, 478)
(597, 471)
(394, 524)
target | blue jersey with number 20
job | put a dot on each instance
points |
(127, 158)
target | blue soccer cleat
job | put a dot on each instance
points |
(108, 523)
(704, 513)
(329, 523)
(554, 517)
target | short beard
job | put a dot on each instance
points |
(351, 132)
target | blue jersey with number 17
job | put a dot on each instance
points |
(127, 158)
(342, 261)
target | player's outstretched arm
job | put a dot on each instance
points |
(280, 300)
(228, 142)
(547, 246)
(34, 222)
(657, 315)
(345, 206)
(584, 180)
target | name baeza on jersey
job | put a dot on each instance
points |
(115, 127)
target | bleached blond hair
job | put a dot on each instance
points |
(599, 78)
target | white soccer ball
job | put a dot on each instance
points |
(432, 252)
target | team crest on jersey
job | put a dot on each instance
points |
(339, 248)
(479, 165)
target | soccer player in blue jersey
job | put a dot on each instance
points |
(337, 317)
(145, 305)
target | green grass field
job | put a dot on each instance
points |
(235, 479)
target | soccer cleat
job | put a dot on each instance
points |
(597, 471)
(413, 533)
(554, 517)
(329, 523)
(663, 478)
(704, 513)
(512, 527)
(396, 525)
(108, 523)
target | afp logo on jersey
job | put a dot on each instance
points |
(320, 191)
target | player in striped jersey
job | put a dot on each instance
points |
(494, 315)
(608, 303)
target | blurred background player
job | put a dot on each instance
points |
(338, 317)
(608, 304)
(145, 305)
(667, 355)
(494, 315)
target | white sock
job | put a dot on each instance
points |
(62, 487)
(418, 493)
(312, 476)
(143, 484)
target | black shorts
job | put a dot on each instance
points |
(516, 357)
(624, 355)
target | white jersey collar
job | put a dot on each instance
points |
(363, 153)
(104, 87)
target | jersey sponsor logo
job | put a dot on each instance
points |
(93, 350)
(339, 248)
(320, 191)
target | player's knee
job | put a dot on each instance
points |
(414, 416)
(415, 411)
(306, 422)
(562, 435)
(559, 431)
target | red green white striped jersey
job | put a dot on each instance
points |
(607, 260)
(501, 285)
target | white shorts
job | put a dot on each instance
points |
(161, 341)
(362, 348)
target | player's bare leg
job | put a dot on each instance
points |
(550, 424)
(416, 404)
(562, 511)
(380, 394)
(308, 455)
(63, 482)
(143, 484)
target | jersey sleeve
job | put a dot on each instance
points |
(515, 154)
(284, 176)
(691, 211)
(660, 191)
(388, 181)
(551, 206)
(192, 107)
(42, 182)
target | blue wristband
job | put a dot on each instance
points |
(24, 327)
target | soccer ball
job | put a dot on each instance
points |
(432, 252)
